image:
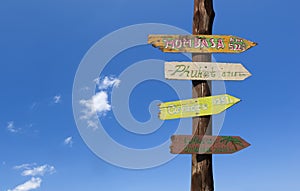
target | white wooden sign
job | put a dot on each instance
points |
(205, 71)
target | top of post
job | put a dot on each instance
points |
(203, 17)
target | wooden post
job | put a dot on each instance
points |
(202, 172)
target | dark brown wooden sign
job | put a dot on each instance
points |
(198, 144)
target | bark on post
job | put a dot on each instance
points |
(202, 172)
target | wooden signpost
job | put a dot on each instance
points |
(200, 43)
(201, 71)
(205, 71)
(188, 144)
(196, 107)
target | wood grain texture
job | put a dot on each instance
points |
(205, 71)
(202, 170)
(189, 144)
(200, 43)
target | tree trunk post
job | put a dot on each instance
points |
(202, 171)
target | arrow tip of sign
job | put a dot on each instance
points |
(234, 99)
(252, 44)
(247, 144)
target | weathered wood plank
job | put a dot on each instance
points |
(201, 106)
(205, 71)
(197, 144)
(202, 165)
(200, 43)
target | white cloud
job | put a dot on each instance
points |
(98, 104)
(57, 99)
(34, 170)
(107, 82)
(24, 166)
(69, 141)
(39, 170)
(11, 127)
(31, 184)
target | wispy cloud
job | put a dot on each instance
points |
(98, 104)
(107, 82)
(57, 99)
(69, 141)
(39, 171)
(31, 184)
(24, 166)
(11, 127)
(34, 170)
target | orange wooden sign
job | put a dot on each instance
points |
(200, 43)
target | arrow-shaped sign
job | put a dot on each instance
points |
(205, 71)
(200, 43)
(188, 144)
(196, 107)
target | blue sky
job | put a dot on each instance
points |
(42, 46)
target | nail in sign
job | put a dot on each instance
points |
(197, 144)
(205, 71)
(196, 107)
(200, 43)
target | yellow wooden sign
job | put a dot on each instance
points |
(200, 43)
(196, 107)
